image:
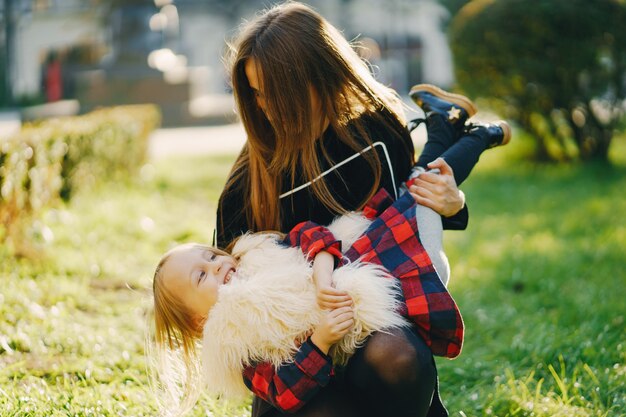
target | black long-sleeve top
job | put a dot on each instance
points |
(349, 184)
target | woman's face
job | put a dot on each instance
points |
(194, 275)
(252, 73)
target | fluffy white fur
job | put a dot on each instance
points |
(349, 227)
(269, 307)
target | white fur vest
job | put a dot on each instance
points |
(270, 307)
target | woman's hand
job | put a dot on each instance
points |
(438, 191)
(334, 325)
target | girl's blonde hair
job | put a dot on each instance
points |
(177, 333)
(298, 53)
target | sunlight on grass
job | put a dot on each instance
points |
(527, 396)
(539, 275)
(74, 320)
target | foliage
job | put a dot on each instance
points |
(538, 275)
(453, 6)
(74, 324)
(50, 159)
(556, 67)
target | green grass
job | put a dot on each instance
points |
(539, 276)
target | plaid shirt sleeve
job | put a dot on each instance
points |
(292, 384)
(313, 239)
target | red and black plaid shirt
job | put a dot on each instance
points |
(392, 240)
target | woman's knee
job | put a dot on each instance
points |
(398, 358)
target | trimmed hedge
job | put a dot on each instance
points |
(51, 159)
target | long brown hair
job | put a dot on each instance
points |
(298, 53)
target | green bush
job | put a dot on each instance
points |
(556, 67)
(51, 159)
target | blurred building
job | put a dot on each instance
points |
(105, 52)
(40, 27)
(406, 36)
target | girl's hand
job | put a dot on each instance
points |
(438, 191)
(334, 325)
(329, 298)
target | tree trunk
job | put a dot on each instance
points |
(541, 150)
(562, 140)
(600, 150)
(602, 135)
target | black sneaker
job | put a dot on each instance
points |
(454, 107)
(495, 133)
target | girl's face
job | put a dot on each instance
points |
(194, 275)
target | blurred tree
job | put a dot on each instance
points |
(8, 25)
(453, 6)
(556, 67)
(4, 83)
(233, 9)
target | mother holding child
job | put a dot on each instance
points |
(325, 139)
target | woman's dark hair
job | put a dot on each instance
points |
(298, 54)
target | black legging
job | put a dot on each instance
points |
(393, 374)
(462, 157)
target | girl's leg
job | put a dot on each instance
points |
(431, 235)
(448, 135)
(441, 136)
(461, 156)
(446, 116)
(393, 374)
(464, 154)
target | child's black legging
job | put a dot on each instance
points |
(461, 157)
(393, 374)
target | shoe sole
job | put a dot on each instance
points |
(506, 132)
(457, 99)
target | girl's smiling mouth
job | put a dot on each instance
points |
(229, 275)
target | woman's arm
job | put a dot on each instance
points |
(292, 384)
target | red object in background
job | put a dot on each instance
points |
(54, 84)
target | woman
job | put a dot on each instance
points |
(308, 102)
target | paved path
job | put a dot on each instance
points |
(223, 139)
(9, 123)
(197, 140)
(200, 140)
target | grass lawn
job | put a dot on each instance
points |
(540, 277)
